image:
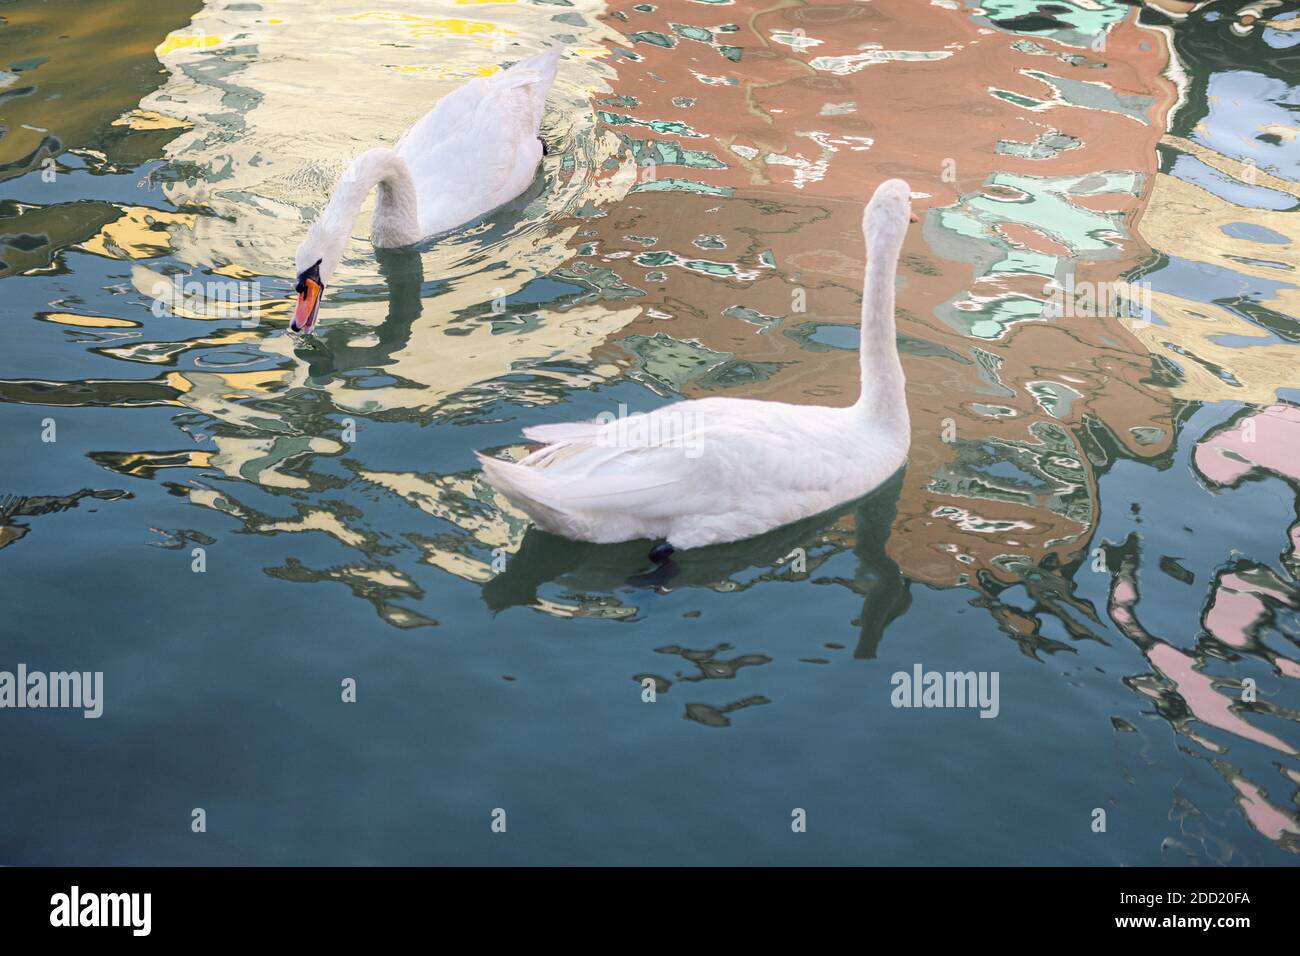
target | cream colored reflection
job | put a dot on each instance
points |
(273, 104)
(446, 365)
(449, 497)
(140, 233)
(269, 133)
(145, 120)
(1195, 330)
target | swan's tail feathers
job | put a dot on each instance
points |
(537, 72)
(520, 485)
(544, 64)
(540, 69)
(563, 431)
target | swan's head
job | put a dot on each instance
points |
(314, 263)
(309, 288)
(888, 213)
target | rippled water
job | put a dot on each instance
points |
(1104, 508)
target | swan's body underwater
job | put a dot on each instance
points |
(477, 149)
(709, 471)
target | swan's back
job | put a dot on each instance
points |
(454, 115)
(478, 147)
(721, 469)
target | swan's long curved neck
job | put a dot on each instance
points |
(396, 218)
(884, 396)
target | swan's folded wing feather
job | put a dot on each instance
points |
(517, 77)
(486, 151)
(654, 464)
(561, 431)
(451, 117)
(694, 457)
(580, 476)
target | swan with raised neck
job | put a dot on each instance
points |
(714, 470)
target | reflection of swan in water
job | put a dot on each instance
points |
(578, 566)
(403, 273)
(714, 470)
(477, 149)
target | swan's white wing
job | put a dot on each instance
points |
(682, 458)
(448, 119)
(478, 148)
(581, 477)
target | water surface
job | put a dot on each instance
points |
(1101, 508)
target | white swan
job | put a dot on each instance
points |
(704, 472)
(475, 150)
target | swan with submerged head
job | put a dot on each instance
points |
(714, 470)
(477, 149)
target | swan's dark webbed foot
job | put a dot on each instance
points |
(545, 149)
(661, 552)
(662, 573)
